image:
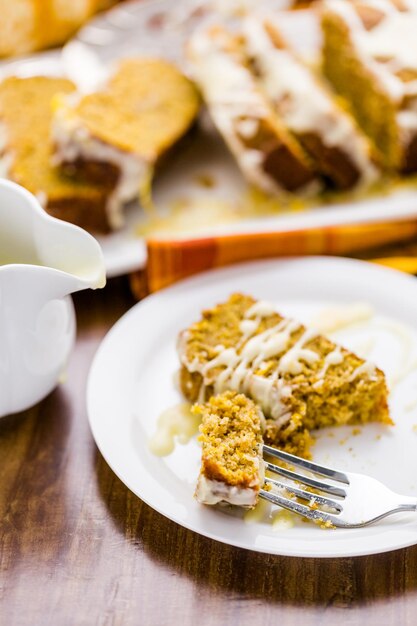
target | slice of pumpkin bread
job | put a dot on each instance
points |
(26, 153)
(300, 379)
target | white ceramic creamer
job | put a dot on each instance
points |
(42, 261)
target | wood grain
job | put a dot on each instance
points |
(77, 548)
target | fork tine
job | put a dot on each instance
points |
(322, 470)
(311, 482)
(305, 495)
(301, 509)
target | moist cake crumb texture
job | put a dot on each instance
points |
(300, 379)
(231, 437)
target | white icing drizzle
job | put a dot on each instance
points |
(248, 128)
(290, 362)
(290, 84)
(395, 38)
(385, 49)
(272, 392)
(239, 371)
(248, 327)
(347, 12)
(72, 140)
(335, 318)
(260, 309)
(367, 368)
(212, 492)
(333, 358)
(235, 102)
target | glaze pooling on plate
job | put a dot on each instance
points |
(175, 424)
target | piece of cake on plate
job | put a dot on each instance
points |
(25, 152)
(300, 379)
(370, 57)
(124, 130)
(338, 149)
(267, 154)
(232, 467)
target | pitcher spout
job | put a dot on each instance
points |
(72, 252)
(28, 235)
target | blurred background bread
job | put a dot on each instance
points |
(28, 25)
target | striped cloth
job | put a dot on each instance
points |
(169, 260)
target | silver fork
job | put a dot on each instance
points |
(357, 500)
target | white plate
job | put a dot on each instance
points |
(131, 383)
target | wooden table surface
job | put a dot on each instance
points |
(77, 548)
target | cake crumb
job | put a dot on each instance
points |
(356, 431)
(414, 428)
(326, 525)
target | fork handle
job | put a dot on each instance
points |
(407, 504)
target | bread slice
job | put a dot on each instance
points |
(370, 57)
(25, 153)
(300, 379)
(28, 25)
(338, 149)
(268, 156)
(232, 467)
(126, 127)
